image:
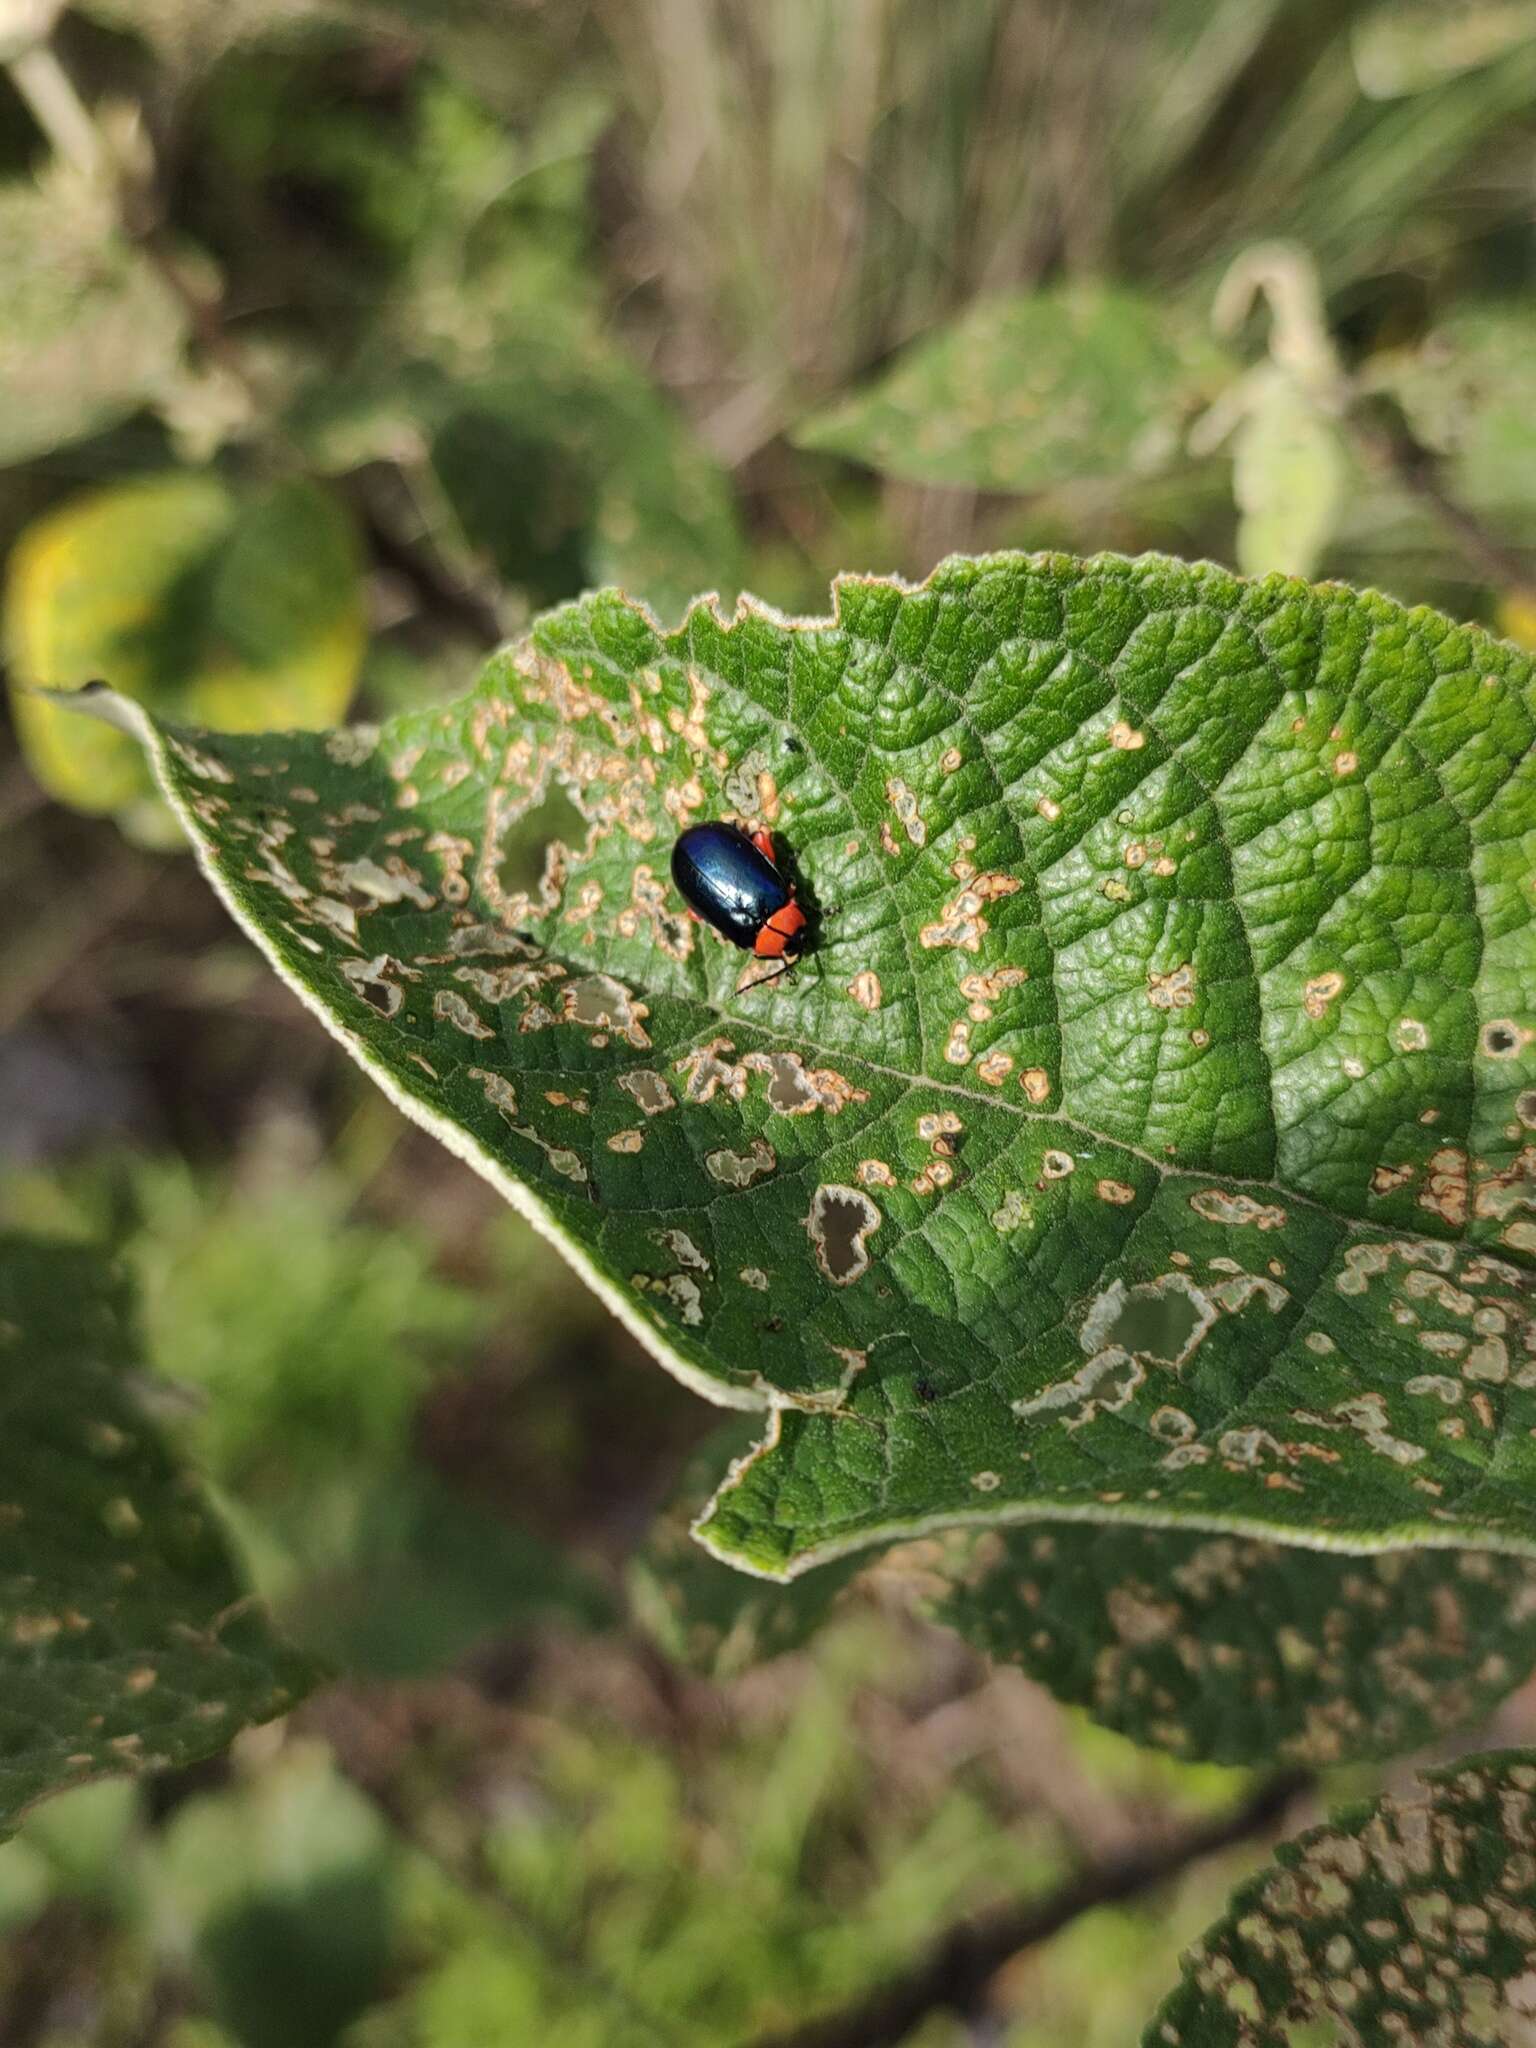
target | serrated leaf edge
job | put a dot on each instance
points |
(97, 700)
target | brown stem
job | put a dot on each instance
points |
(1386, 437)
(954, 1975)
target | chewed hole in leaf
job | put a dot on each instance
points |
(1163, 1320)
(840, 1221)
(554, 821)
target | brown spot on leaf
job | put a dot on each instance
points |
(1320, 991)
(1445, 1189)
(1174, 990)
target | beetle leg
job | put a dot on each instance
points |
(763, 841)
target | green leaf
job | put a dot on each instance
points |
(1469, 390)
(88, 332)
(1290, 471)
(705, 1616)
(1024, 392)
(1409, 1919)
(1400, 49)
(237, 613)
(124, 1640)
(1147, 1134)
(1229, 1651)
(610, 483)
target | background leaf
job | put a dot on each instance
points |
(1031, 390)
(126, 1644)
(705, 1616)
(1469, 390)
(1230, 1651)
(1147, 1135)
(1290, 471)
(233, 612)
(88, 332)
(1412, 1919)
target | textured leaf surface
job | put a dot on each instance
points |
(1029, 391)
(124, 1642)
(88, 332)
(234, 613)
(705, 1616)
(1148, 1134)
(1231, 1651)
(1411, 1920)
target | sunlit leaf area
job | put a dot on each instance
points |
(767, 1024)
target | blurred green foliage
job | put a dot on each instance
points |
(328, 319)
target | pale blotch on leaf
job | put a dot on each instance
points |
(449, 1007)
(866, 990)
(982, 991)
(499, 1091)
(1174, 990)
(962, 922)
(1320, 992)
(1218, 1205)
(1446, 1185)
(1036, 1083)
(904, 803)
(1104, 1385)
(683, 1249)
(740, 1169)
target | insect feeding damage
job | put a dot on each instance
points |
(840, 1221)
(1412, 1921)
(648, 744)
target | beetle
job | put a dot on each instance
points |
(729, 880)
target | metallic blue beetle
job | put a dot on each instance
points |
(728, 879)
